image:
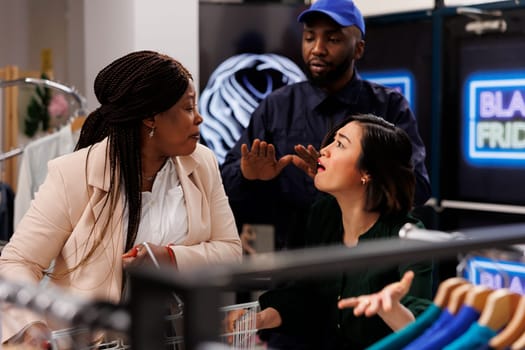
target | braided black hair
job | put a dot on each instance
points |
(132, 88)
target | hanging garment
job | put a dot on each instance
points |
(444, 318)
(496, 313)
(501, 320)
(33, 167)
(514, 329)
(6, 211)
(476, 337)
(401, 338)
(460, 323)
(447, 315)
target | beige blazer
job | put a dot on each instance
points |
(61, 217)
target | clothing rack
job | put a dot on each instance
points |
(10, 119)
(200, 288)
(63, 307)
(79, 99)
(11, 153)
(10, 122)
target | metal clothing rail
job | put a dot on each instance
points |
(479, 206)
(11, 153)
(143, 319)
(79, 99)
(439, 206)
(200, 288)
(64, 307)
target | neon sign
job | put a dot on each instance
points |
(494, 128)
(400, 80)
(496, 274)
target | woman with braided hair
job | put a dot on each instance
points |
(138, 181)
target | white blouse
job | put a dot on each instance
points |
(164, 218)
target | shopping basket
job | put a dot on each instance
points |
(243, 337)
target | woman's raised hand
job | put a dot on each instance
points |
(385, 303)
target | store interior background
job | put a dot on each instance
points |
(425, 37)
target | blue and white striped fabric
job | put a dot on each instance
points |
(235, 89)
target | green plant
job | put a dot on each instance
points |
(37, 115)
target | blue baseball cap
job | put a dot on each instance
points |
(343, 12)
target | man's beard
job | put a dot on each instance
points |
(330, 77)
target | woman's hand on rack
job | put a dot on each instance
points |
(267, 318)
(229, 323)
(37, 336)
(385, 303)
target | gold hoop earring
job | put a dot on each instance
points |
(151, 132)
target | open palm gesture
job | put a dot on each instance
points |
(259, 163)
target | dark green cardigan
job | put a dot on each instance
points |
(309, 308)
